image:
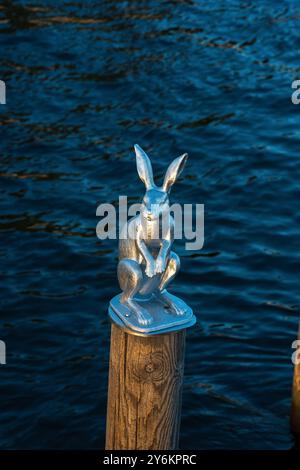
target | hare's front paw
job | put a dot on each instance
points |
(160, 265)
(150, 269)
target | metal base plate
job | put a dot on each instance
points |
(164, 320)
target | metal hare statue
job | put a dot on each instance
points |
(147, 263)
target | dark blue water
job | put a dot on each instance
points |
(85, 81)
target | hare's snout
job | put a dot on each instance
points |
(155, 203)
(150, 216)
(152, 213)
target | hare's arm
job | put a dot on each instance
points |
(143, 248)
(165, 249)
(167, 242)
(149, 260)
(164, 252)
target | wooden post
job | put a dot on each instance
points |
(144, 391)
(295, 417)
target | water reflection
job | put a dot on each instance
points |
(85, 81)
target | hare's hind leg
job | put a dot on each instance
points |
(130, 277)
(171, 270)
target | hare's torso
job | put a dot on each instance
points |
(128, 247)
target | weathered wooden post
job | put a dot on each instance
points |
(144, 394)
(148, 326)
(295, 416)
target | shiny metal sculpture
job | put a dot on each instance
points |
(146, 262)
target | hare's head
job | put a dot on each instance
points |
(156, 199)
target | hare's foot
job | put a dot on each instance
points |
(143, 317)
(130, 277)
(175, 307)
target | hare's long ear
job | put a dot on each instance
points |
(174, 171)
(144, 167)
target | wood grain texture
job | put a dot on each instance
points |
(295, 417)
(144, 392)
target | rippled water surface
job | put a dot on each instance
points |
(85, 81)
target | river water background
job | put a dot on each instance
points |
(85, 81)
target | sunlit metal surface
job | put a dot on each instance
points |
(146, 262)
